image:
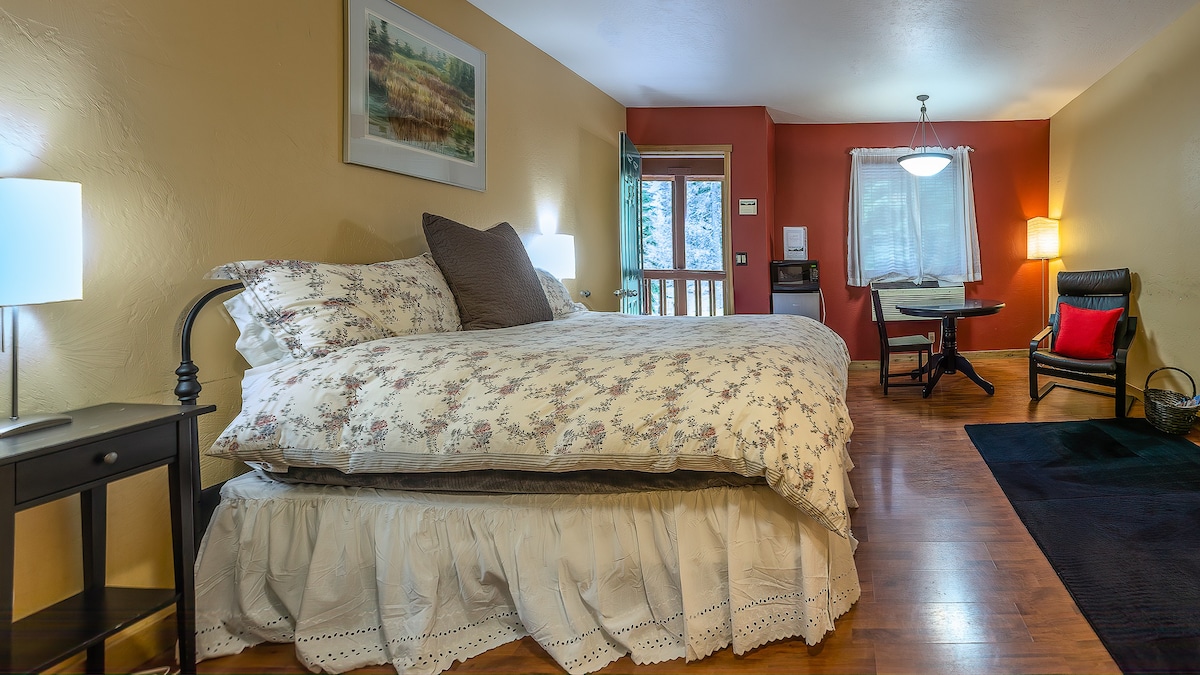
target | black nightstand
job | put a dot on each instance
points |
(101, 445)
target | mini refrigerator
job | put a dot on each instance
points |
(796, 288)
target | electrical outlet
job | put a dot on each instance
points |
(931, 336)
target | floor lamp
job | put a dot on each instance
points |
(1042, 245)
(41, 260)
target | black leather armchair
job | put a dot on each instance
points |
(1103, 290)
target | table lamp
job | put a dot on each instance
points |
(41, 260)
(554, 253)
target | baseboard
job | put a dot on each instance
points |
(998, 354)
(873, 364)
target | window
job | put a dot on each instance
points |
(905, 228)
(658, 199)
(702, 232)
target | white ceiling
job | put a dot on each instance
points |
(830, 61)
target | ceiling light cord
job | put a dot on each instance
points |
(924, 162)
(921, 126)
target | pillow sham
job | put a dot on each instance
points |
(314, 308)
(557, 295)
(488, 272)
(256, 343)
(1086, 333)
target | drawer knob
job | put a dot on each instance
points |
(110, 458)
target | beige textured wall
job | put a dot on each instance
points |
(1125, 177)
(205, 132)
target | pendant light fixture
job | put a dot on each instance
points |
(925, 162)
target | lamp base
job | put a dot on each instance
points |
(20, 425)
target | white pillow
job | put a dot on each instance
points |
(313, 308)
(557, 295)
(256, 343)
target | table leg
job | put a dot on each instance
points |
(936, 368)
(950, 361)
(964, 366)
(8, 512)
(184, 475)
(93, 507)
(949, 343)
(947, 360)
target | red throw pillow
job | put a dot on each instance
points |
(1086, 333)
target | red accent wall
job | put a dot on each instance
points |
(751, 133)
(1011, 174)
(800, 174)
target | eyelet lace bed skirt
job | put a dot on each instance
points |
(358, 576)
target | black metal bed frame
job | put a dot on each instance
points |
(187, 390)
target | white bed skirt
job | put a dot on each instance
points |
(357, 576)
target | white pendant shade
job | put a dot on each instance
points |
(1042, 239)
(925, 163)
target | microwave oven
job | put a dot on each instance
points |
(795, 276)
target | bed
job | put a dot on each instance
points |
(606, 484)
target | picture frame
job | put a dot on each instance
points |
(415, 97)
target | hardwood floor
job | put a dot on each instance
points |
(952, 582)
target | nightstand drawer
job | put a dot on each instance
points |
(66, 469)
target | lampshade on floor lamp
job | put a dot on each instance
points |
(41, 260)
(1042, 243)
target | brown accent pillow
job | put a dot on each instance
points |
(488, 272)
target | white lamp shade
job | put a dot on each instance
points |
(925, 163)
(41, 241)
(554, 253)
(1043, 238)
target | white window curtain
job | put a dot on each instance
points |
(905, 228)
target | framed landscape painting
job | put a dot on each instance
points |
(415, 96)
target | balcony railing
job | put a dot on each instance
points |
(683, 293)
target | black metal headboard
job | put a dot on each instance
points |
(187, 391)
(188, 388)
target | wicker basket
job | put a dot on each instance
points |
(1164, 408)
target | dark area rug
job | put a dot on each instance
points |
(1115, 506)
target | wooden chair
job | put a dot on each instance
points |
(1103, 290)
(906, 344)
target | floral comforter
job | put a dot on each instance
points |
(760, 395)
